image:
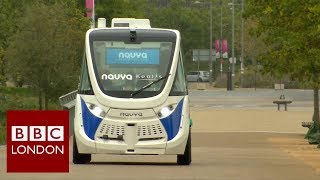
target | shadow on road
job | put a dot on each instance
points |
(136, 163)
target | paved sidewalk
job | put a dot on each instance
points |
(239, 120)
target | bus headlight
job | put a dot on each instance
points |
(97, 111)
(165, 111)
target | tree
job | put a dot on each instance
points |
(2, 68)
(10, 10)
(47, 47)
(291, 30)
(253, 47)
(192, 20)
(187, 16)
(119, 9)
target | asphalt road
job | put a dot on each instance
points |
(217, 155)
(223, 156)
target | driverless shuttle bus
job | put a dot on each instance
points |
(132, 97)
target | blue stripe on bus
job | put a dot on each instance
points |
(172, 122)
(90, 121)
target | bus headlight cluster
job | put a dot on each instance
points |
(96, 110)
(165, 111)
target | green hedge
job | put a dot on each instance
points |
(16, 98)
(313, 134)
(3, 132)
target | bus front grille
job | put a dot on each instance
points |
(150, 130)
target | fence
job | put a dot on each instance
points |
(68, 102)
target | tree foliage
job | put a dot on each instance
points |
(119, 9)
(47, 48)
(10, 10)
(187, 16)
(291, 30)
(191, 21)
(37, 37)
(2, 68)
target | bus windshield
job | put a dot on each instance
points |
(123, 67)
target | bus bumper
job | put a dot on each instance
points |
(147, 147)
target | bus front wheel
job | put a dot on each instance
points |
(77, 157)
(185, 159)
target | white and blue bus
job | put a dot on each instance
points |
(132, 97)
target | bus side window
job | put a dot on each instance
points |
(179, 87)
(85, 85)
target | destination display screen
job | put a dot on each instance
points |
(132, 56)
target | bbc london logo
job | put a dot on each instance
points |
(37, 141)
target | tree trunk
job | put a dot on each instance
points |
(315, 117)
(46, 101)
(40, 100)
(255, 73)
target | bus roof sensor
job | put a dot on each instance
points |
(130, 23)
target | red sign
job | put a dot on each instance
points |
(90, 8)
(217, 47)
(224, 48)
(37, 141)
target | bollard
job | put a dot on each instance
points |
(229, 81)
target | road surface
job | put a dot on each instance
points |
(231, 140)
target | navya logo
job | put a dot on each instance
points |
(133, 114)
(116, 77)
(130, 55)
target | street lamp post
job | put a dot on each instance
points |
(210, 53)
(232, 51)
(242, 45)
(221, 58)
(210, 40)
(233, 58)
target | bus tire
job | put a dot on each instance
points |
(77, 157)
(185, 159)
